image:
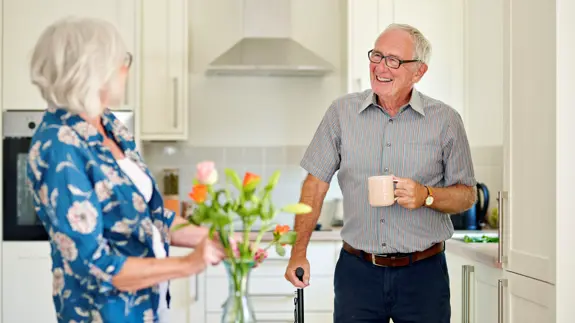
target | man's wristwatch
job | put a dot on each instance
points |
(429, 198)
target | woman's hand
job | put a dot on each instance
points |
(207, 252)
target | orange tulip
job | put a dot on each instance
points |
(249, 178)
(281, 229)
(199, 193)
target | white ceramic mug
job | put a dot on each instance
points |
(381, 190)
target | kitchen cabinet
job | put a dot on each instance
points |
(186, 305)
(164, 70)
(528, 209)
(27, 283)
(272, 296)
(474, 290)
(441, 21)
(24, 21)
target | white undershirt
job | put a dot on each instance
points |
(144, 185)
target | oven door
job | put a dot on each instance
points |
(20, 222)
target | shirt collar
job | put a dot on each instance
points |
(415, 102)
(87, 131)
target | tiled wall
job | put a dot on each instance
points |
(265, 160)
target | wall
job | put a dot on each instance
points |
(240, 111)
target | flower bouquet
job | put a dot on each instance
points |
(221, 210)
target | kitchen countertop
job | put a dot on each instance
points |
(485, 253)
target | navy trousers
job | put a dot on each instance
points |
(365, 292)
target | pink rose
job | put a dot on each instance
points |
(206, 173)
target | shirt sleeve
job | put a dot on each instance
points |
(323, 155)
(457, 154)
(68, 204)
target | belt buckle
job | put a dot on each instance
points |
(374, 263)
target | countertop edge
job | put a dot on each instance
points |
(484, 253)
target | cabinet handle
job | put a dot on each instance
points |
(466, 292)
(501, 283)
(196, 288)
(175, 91)
(501, 259)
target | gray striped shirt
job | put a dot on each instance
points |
(425, 141)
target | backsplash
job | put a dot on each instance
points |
(265, 160)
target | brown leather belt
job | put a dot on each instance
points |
(396, 260)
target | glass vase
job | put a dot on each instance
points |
(238, 307)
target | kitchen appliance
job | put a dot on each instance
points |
(20, 222)
(267, 46)
(475, 217)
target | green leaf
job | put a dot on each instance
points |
(280, 250)
(297, 208)
(274, 179)
(288, 238)
(233, 177)
(180, 226)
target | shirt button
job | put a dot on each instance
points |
(388, 144)
(386, 169)
(382, 221)
(383, 244)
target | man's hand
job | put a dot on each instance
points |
(409, 193)
(294, 263)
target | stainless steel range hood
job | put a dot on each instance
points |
(266, 48)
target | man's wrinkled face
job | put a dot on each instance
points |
(386, 81)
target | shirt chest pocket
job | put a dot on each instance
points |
(422, 162)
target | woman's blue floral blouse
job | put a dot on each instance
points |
(96, 218)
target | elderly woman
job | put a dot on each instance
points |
(108, 228)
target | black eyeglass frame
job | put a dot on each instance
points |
(387, 58)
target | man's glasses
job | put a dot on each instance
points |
(390, 61)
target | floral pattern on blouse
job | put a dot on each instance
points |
(95, 217)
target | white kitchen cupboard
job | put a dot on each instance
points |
(164, 70)
(474, 293)
(529, 199)
(441, 21)
(272, 296)
(186, 304)
(24, 21)
(27, 283)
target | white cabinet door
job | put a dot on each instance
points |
(523, 299)
(24, 21)
(27, 283)
(455, 265)
(441, 22)
(484, 291)
(164, 70)
(363, 29)
(186, 303)
(530, 145)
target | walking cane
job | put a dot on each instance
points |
(298, 301)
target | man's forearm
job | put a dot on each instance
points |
(453, 199)
(313, 194)
(189, 236)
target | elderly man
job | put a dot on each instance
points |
(392, 264)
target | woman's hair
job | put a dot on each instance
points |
(76, 60)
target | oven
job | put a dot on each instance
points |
(20, 222)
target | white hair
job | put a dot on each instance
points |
(422, 50)
(75, 60)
